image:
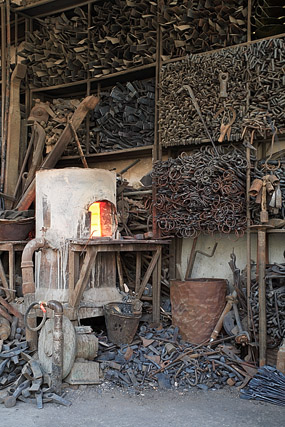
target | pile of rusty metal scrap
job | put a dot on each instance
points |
(265, 78)
(159, 358)
(268, 18)
(275, 304)
(21, 377)
(57, 51)
(56, 117)
(217, 83)
(125, 117)
(122, 35)
(11, 322)
(201, 193)
(236, 88)
(197, 26)
(134, 207)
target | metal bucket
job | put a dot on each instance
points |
(121, 322)
(17, 229)
(196, 307)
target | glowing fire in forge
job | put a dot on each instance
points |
(101, 219)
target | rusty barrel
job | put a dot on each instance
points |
(196, 307)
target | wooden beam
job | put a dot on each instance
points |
(120, 271)
(89, 103)
(89, 260)
(148, 272)
(14, 132)
(4, 281)
(138, 270)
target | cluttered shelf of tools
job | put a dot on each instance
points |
(137, 73)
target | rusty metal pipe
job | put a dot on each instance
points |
(28, 286)
(27, 264)
(57, 353)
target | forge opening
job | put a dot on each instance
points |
(102, 218)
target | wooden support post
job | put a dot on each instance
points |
(11, 269)
(76, 295)
(156, 287)
(138, 271)
(14, 132)
(4, 281)
(148, 272)
(120, 271)
(262, 296)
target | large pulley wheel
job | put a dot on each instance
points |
(45, 346)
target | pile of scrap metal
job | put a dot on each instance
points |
(125, 117)
(196, 26)
(268, 385)
(160, 358)
(236, 88)
(134, 206)
(21, 376)
(201, 193)
(268, 18)
(53, 117)
(11, 322)
(119, 35)
(275, 304)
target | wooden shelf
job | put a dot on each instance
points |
(140, 73)
(129, 153)
(274, 231)
(209, 52)
(49, 7)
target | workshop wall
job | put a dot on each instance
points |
(217, 266)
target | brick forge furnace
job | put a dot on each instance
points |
(75, 204)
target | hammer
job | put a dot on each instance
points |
(195, 103)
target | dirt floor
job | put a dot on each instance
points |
(109, 406)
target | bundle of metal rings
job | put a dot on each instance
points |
(202, 192)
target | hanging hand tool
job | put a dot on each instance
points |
(223, 79)
(197, 108)
(225, 129)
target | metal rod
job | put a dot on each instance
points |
(261, 237)
(249, 11)
(129, 167)
(248, 238)
(191, 260)
(3, 92)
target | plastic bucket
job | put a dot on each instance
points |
(121, 322)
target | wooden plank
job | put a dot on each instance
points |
(4, 281)
(11, 269)
(84, 107)
(156, 285)
(120, 271)
(138, 271)
(148, 272)
(14, 133)
(75, 296)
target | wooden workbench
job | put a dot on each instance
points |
(79, 277)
